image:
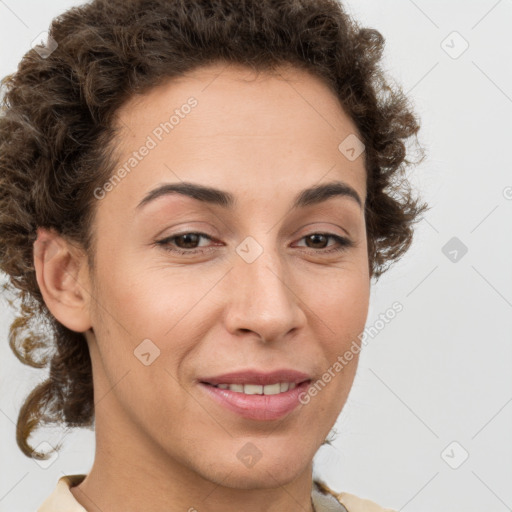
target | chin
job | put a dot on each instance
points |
(254, 478)
(267, 472)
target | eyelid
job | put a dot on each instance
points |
(343, 243)
(322, 229)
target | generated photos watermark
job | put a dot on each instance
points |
(152, 141)
(369, 332)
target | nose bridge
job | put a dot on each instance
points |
(262, 299)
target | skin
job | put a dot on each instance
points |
(161, 443)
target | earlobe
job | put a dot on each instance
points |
(58, 272)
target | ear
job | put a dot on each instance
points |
(62, 275)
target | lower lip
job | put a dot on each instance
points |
(257, 407)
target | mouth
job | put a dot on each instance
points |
(257, 395)
(258, 378)
(258, 389)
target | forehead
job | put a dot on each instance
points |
(246, 128)
(234, 93)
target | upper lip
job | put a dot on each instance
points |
(258, 377)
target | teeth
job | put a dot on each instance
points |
(272, 389)
(257, 389)
(253, 389)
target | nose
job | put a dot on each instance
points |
(264, 298)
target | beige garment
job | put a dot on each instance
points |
(324, 499)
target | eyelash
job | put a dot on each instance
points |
(345, 243)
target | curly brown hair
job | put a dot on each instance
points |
(57, 135)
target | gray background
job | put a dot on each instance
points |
(434, 385)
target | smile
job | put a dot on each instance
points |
(251, 401)
(258, 389)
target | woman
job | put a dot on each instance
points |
(195, 197)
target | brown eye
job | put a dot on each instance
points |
(188, 243)
(190, 240)
(319, 241)
(185, 243)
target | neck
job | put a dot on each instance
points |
(130, 474)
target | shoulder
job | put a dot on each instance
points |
(350, 502)
(61, 499)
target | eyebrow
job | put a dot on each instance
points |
(309, 196)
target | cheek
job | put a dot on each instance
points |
(158, 305)
(340, 296)
(343, 312)
(146, 300)
(340, 310)
(156, 302)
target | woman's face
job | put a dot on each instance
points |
(256, 285)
